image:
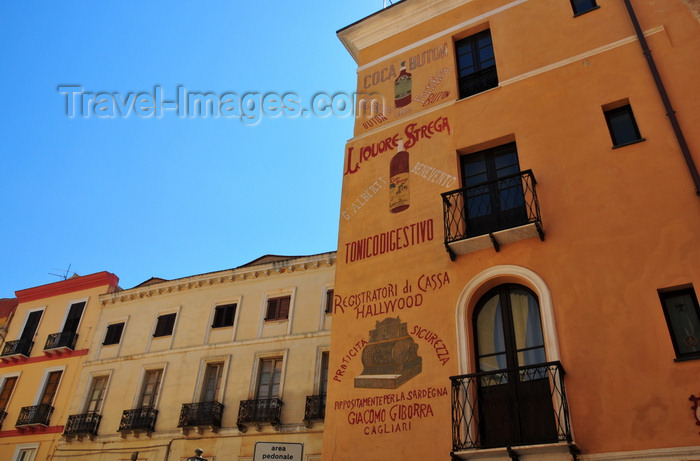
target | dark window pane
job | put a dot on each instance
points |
(224, 315)
(323, 384)
(514, 395)
(271, 309)
(493, 190)
(508, 160)
(477, 65)
(114, 334)
(622, 126)
(165, 324)
(466, 63)
(475, 167)
(581, 6)
(683, 319)
(31, 325)
(329, 302)
(74, 314)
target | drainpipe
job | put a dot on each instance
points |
(664, 97)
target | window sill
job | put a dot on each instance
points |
(524, 450)
(219, 327)
(687, 358)
(587, 11)
(463, 98)
(617, 146)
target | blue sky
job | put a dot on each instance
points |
(159, 194)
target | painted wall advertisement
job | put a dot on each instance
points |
(391, 213)
(404, 85)
(389, 356)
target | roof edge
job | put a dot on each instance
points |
(70, 285)
(286, 264)
(390, 21)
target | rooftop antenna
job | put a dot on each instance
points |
(64, 274)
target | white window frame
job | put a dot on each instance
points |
(221, 302)
(26, 318)
(26, 446)
(317, 374)
(106, 329)
(177, 311)
(488, 279)
(44, 381)
(101, 338)
(91, 380)
(259, 357)
(82, 315)
(3, 379)
(323, 315)
(142, 377)
(291, 292)
(226, 360)
(324, 302)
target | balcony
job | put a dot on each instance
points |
(34, 416)
(519, 411)
(315, 408)
(491, 214)
(138, 420)
(15, 350)
(259, 411)
(60, 342)
(202, 414)
(3, 415)
(82, 425)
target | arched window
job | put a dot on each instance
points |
(508, 329)
(515, 400)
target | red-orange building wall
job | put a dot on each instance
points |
(620, 224)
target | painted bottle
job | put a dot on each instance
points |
(398, 180)
(402, 87)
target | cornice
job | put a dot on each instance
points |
(257, 272)
(391, 21)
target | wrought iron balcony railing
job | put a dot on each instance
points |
(315, 408)
(478, 81)
(84, 424)
(62, 340)
(491, 207)
(259, 411)
(17, 347)
(37, 415)
(140, 419)
(201, 414)
(510, 407)
(3, 415)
